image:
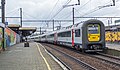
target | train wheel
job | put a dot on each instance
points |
(105, 50)
(77, 47)
(83, 50)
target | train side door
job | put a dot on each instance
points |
(73, 37)
(55, 38)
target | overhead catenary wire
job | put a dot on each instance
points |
(13, 11)
(68, 2)
(24, 13)
(96, 9)
(93, 10)
(70, 13)
(84, 4)
(67, 15)
(60, 10)
(53, 8)
(14, 14)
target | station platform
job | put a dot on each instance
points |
(34, 57)
(113, 46)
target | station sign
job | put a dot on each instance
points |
(6, 23)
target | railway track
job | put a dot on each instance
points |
(107, 58)
(110, 56)
(68, 68)
(83, 57)
(75, 60)
(104, 57)
(59, 61)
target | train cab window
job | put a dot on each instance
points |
(94, 29)
(77, 33)
(93, 32)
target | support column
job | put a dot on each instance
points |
(21, 16)
(3, 21)
(53, 24)
(73, 15)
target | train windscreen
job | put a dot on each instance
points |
(93, 29)
(93, 32)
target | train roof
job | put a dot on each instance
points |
(113, 27)
(75, 26)
(80, 24)
(68, 28)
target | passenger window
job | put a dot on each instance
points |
(65, 34)
(77, 33)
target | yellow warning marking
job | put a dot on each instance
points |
(43, 57)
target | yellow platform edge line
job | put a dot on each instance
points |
(48, 66)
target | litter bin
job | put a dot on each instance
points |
(26, 44)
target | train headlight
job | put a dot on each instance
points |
(98, 37)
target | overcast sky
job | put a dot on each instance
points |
(46, 9)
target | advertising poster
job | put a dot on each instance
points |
(1, 34)
(7, 37)
(10, 37)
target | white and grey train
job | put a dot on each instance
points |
(87, 36)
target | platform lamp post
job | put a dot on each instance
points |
(3, 21)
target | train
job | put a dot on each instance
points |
(87, 36)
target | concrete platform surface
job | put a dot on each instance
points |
(34, 57)
(113, 46)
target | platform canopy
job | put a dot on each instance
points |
(14, 27)
(26, 31)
